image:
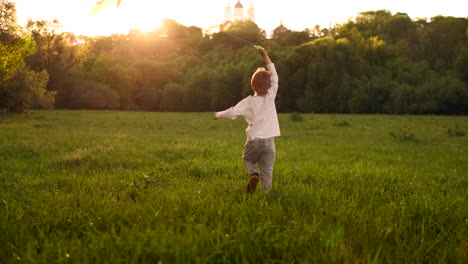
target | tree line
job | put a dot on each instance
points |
(378, 63)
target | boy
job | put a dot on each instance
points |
(259, 111)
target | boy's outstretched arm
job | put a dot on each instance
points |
(233, 112)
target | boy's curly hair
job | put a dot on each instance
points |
(260, 81)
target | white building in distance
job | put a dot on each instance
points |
(238, 13)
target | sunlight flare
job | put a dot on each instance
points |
(143, 15)
(104, 3)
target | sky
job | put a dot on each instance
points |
(148, 14)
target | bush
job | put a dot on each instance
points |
(296, 117)
(89, 95)
(456, 131)
(403, 135)
(27, 89)
(341, 123)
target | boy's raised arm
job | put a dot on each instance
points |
(265, 56)
(273, 77)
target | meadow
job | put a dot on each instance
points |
(146, 187)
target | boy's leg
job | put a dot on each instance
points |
(250, 157)
(266, 163)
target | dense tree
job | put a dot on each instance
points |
(243, 29)
(12, 57)
(20, 88)
(321, 74)
(13, 48)
(27, 90)
(9, 27)
(373, 23)
(446, 36)
(173, 30)
(378, 63)
(55, 52)
(285, 36)
(461, 63)
(400, 27)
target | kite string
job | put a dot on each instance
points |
(238, 38)
(246, 41)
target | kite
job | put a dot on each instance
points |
(104, 3)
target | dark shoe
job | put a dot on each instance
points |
(252, 183)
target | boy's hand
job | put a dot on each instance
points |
(215, 118)
(265, 56)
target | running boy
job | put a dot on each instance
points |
(259, 111)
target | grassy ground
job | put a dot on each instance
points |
(133, 187)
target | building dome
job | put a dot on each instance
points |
(237, 13)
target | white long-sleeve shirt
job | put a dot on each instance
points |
(259, 111)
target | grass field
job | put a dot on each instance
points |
(140, 187)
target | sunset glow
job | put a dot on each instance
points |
(147, 14)
(143, 15)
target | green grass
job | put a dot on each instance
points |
(138, 187)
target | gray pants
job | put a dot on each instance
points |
(261, 152)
